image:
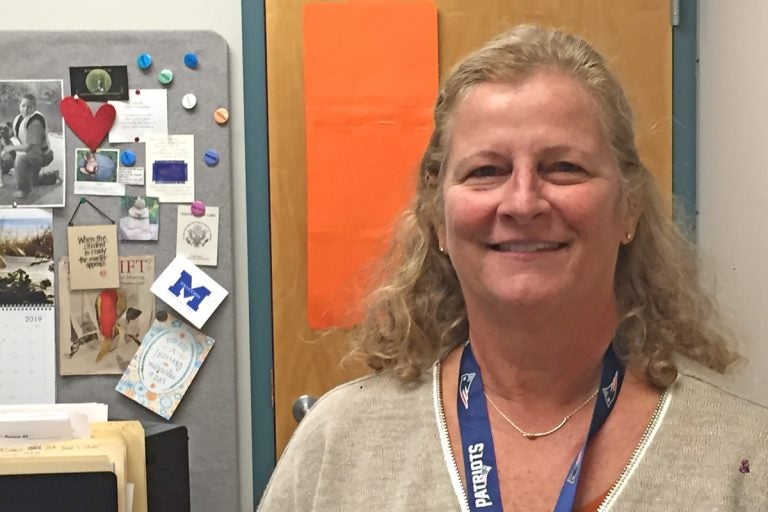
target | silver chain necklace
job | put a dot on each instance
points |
(535, 435)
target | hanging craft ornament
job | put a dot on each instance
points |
(89, 127)
(93, 259)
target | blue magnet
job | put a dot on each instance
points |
(191, 60)
(211, 157)
(144, 61)
(127, 158)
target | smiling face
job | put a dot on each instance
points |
(533, 208)
(27, 107)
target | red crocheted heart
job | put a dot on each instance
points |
(90, 128)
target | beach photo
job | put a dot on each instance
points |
(26, 256)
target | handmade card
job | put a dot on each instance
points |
(165, 365)
(189, 290)
(197, 238)
(93, 257)
(100, 330)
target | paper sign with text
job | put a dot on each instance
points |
(189, 290)
(93, 259)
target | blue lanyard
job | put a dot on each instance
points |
(480, 467)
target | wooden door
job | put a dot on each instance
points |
(634, 35)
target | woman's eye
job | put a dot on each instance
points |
(566, 167)
(484, 172)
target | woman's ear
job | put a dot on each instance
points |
(631, 216)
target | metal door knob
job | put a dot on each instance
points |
(302, 405)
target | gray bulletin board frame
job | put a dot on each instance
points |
(209, 408)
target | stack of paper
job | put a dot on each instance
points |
(51, 440)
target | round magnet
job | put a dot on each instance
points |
(127, 158)
(189, 101)
(197, 208)
(191, 60)
(165, 76)
(221, 116)
(144, 61)
(211, 157)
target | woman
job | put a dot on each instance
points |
(578, 359)
(33, 151)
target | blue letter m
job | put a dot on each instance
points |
(184, 286)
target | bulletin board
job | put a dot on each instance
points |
(209, 407)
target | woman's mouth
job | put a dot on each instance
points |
(524, 247)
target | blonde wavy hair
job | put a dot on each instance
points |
(416, 315)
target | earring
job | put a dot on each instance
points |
(442, 250)
(629, 237)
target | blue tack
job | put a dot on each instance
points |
(144, 61)
(191, 60)
(211, 157)
(127, 158)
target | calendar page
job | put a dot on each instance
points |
(27, 316)
(27, 354)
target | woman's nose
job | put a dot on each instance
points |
(522, 197)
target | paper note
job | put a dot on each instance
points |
(145, 114)
(93, 257)
(189, 290)
(165, 365)
(197, 238)
(170, 173)
(371, 76)
(130, 175)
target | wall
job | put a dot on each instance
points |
(733, 178)
(225, 19)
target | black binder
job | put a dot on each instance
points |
(60, 492)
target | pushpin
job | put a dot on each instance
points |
(189, 101)
(127, 158)
(221, 116)
(191, 60)
(211, 157)
(197, 208)
(144, 61)
(165, 76)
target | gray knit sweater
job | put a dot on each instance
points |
(376, 445)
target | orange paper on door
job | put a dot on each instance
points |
(371, 75)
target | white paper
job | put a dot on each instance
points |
(145, 114)
(130, 175)
(94, 412)
(49, 426)
(197, 238)
(189, 290)
(172, 147)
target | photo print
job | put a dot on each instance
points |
(139, 218)
(96, 172)
(31, 143)
(26, 256)
(99, 83)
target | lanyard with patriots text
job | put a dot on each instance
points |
(480, 468)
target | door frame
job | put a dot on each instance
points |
(684, 93)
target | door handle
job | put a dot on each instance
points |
(301, 406)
